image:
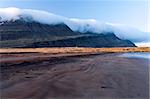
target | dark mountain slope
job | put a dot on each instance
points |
(21, 33)
(25, 30)
(101, 40)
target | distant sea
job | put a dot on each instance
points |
(145, 55)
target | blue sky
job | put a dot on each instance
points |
(131, 12)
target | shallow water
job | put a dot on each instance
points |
(145, 55)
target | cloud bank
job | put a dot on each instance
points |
(81, 25)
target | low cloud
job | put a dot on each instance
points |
(81, 25)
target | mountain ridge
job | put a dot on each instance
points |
(122, 31)
(20, 33)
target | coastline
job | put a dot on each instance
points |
(101, 75)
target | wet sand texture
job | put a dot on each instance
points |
(102, 76)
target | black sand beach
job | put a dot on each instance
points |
(100, 76)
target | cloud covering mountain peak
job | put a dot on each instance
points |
(81, 25)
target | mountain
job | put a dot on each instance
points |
(23, 33)
(23, 27)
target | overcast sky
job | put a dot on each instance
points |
(131, 12)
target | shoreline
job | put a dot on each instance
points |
(100, 76)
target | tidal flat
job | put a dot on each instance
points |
(76, 75)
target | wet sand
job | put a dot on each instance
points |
(73, 76)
